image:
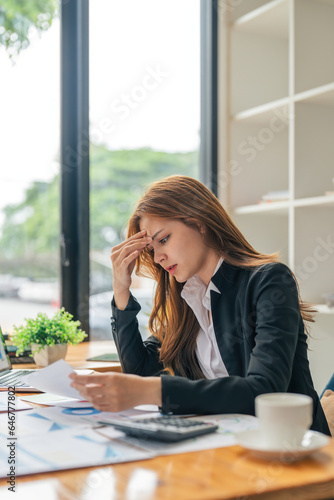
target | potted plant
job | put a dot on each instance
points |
(48, 338)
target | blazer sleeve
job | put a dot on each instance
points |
(270, 350)
(136, 356)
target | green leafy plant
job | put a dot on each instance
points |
(45, 331)
(18, 20)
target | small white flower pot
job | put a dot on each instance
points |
(49, 353)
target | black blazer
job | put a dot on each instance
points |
(260, 335)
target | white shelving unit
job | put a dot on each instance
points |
(276, 112)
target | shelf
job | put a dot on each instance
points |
(313, 151)
(264, 113)
(238, 9)
(323, 95)
(258, 59)
(314, 201)
(271, 19)
(259, 161)
(313, 252)
(277, 121)
(314, 41)
(279, 207)
(324, 309)
(266, 234)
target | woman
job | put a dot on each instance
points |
(227, 322)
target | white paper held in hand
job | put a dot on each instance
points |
(54, 379)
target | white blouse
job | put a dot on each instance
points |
(197, 295)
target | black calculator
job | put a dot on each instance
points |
(165, 428)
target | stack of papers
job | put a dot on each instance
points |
(70, 435)
(19, 405)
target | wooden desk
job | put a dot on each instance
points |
(77, 354)
(220, 474)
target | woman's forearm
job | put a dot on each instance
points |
(121, 298)
(152, 390)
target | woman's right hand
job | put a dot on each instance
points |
(123, 259)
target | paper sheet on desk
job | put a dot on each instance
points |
(48, 420)
(16, 405)
(47, 399)
(69, 448)
(229, 425)
(55, 379)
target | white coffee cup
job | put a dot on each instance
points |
(284, 419)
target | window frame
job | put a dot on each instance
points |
(74, 179)
(209, 95)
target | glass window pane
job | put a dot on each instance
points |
(29, 192)
(144, 123)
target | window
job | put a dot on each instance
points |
(29, 192)
(144, 123)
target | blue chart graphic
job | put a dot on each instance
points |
(57, 427)
(85, 438)
(54, 425)
(36, 415)
(80, 411)
(61, 418)
(109, 453)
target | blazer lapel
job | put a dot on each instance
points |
(225, 316)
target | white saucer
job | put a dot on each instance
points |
(252, 441)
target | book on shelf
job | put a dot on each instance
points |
(271, 196)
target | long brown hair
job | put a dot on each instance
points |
(172, 321)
